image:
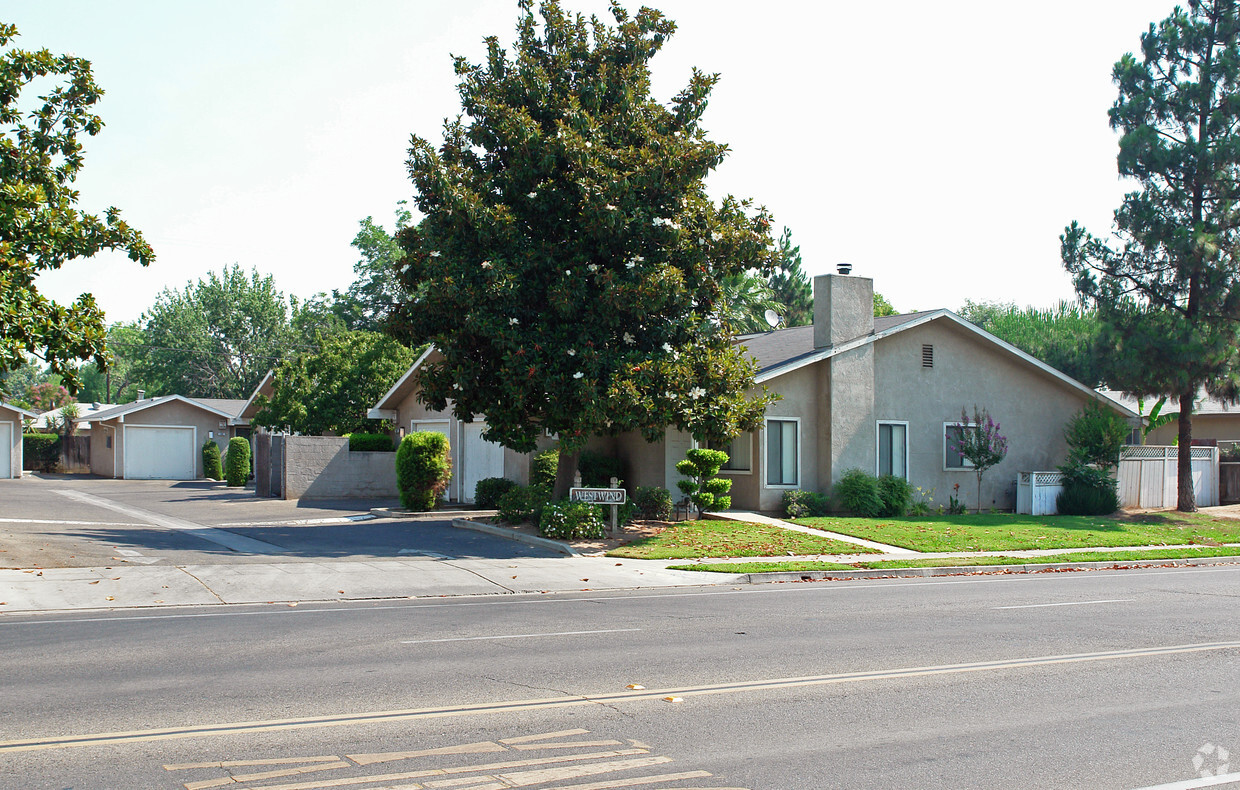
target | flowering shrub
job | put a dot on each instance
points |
(571, 521)
(979, 443)
(799, 504)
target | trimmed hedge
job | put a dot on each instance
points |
(489, 490)
(897, 495)
(40, 452)
(858, 493)
(542, 468)
(523, 504)
(212, 466)
(237, 461)
(654, 502)
(371, 443)
(423, 469)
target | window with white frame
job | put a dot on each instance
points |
(893, 449)
(783, 453)
(740, 453)
(951, 440)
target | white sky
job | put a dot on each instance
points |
(940, 148)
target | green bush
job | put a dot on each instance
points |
(1078, 499)
(212, 466)
(40, 452)
(571, 521)
(703, 488)
(1095, 435)
(237, 461)
(654, 502)
(488, 491)
(522, 504)
(542, 468)
(371, 443)
(897, 495)
(800, 504)
(423, 469)
(597, 469)
(857, 492)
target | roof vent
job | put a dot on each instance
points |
(843, 268)
(96, 406)
(141, 394)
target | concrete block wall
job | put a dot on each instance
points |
(322, 467)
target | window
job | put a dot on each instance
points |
(783, 439)
(893, 449)
(951, 438)
(740, 453)
(927, 356)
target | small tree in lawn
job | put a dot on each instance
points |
(980, 444)
(703, 488)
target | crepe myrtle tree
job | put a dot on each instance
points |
(569, 263)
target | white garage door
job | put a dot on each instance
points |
(6, 450)
(159, 453)
(481, 459)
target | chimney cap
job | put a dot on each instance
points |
(843, 268)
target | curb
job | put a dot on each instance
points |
(970, 570)
(520, 537)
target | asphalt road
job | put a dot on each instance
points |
(1087, 680)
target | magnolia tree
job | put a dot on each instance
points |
(979, 443)
(569, 263)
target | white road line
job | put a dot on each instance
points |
(516, 636)
(1066, 603)
(300, 522)
(238, 543)
(1193, 784)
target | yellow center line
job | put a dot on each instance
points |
(373, 717)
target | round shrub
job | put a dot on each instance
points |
(522, 504)
(370, 443)
(212, 466)
(654, 502)
(896, 493)
(571, 521)
(857, 492)
(800, 504)
(423, 469)
(489, 490)
(598, 469)
(237, 461)
(542, 468)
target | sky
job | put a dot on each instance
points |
(940, 148)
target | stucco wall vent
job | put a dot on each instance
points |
(927, 356)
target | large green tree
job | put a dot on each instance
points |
(1067, 337)
(1167, 287)
(376, 289)
(331, 388)
(119, 382)
(570, 262)
(40, 226)
(217, 337)
(791, 286)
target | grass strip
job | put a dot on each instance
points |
(707, 538)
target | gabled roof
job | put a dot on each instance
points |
(785, 350)
(266, 388)
(399, 391)
(18, 409)
(229, 410)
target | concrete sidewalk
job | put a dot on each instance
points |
(56, 589)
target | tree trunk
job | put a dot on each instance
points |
(565, 471)
(1184, 457)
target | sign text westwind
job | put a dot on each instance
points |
(598, 496)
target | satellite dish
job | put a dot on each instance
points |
(773, 319)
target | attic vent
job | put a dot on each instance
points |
(927, 356)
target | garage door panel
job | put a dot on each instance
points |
(159, 453)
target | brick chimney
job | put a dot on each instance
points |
(843, 308)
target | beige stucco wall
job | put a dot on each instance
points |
(109, 462)
(1029, 404)
(14, 419)
(1224, 428)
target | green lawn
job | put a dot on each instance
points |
(1005, 532)
(961, 562)
(692, 539)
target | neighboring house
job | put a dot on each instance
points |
(161, 438)
(1214, 419)
(82, 426)
(878, 394)
(11, 456)
(473, 458)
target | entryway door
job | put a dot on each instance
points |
(481, 459)
(6, 450)
(676, 444)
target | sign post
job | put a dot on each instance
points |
(614, 496)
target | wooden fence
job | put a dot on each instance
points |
(1148, 476)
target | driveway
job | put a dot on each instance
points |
(72, 521)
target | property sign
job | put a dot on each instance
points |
(598, 496)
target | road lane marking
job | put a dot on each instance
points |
(249, 763)
(239, 543)
(516, 636)
(375, 717)
(645, 780)
(482, 747)
(1193, 784)
(276, 774)
(300, 522)
(1065, 603)
(546, 736)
